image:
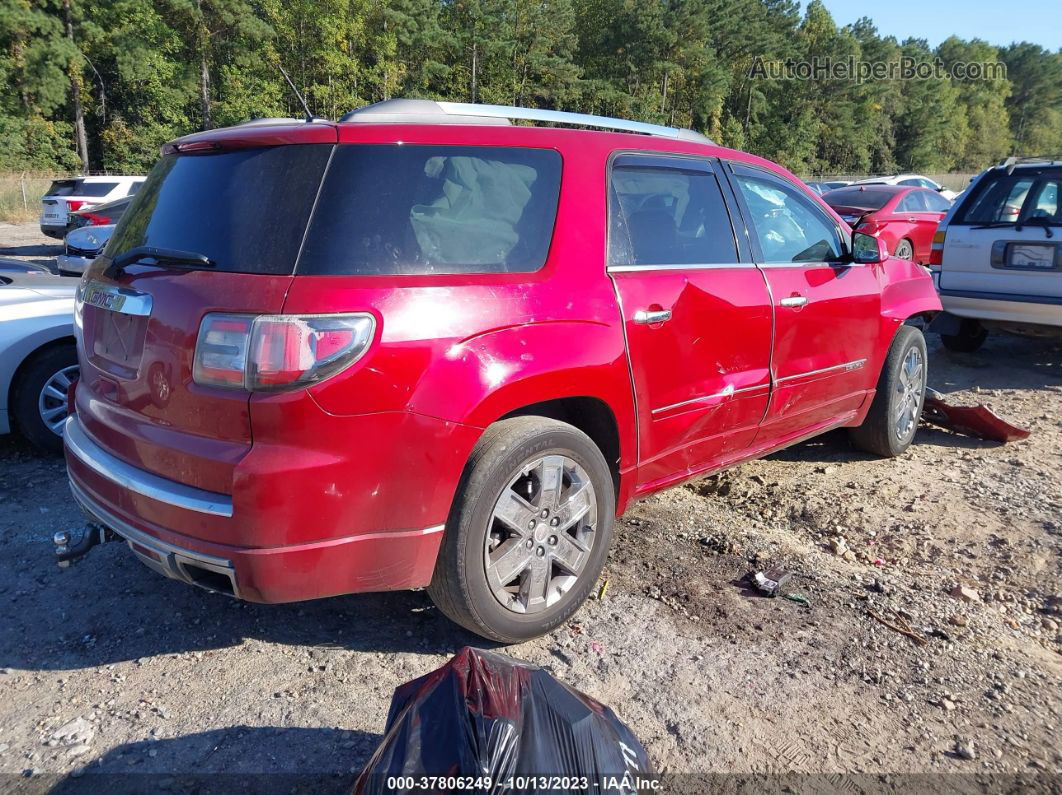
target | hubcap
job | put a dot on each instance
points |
(904, 251)
(909, 388)
(541, 534)
(51, 403)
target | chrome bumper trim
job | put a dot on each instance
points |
(171, 561)
(139, 481)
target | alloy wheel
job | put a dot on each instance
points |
(909, 386)
(541, 534)
(51, 403)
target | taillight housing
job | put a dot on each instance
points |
(261, 353)
(73, 205)
(936, 251)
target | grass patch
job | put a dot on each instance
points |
(20, 196)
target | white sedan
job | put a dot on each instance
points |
(911, 180)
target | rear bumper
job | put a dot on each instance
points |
(54, 230)
(112, 492)
(1003, 308)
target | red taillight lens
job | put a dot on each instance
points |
(270, 352)
(73, 206)
(96, 220)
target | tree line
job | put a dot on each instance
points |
(101, 84)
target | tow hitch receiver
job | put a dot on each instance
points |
(94, 534)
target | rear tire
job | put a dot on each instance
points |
(971, 336)
(512, 458)
(905, 249)
(33, 408)
(891, 423)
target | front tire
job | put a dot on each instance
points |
(39, 404)
(891, 423)
(529, 531)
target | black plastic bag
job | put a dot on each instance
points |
(485, 722)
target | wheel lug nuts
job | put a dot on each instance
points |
(554, 522)
(541, 551)
(545, 513)
(530, 543)
(531, 524)
(553, 541)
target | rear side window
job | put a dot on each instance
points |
(95, 189)
(914, 202)
(389, 209)
(245, 209)
(936, 202)
(664, 211)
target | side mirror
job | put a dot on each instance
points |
(868, 250)
(940, 189)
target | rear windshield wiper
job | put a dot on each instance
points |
(169, 256)
(1045, 223)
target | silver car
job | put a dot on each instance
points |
(81, 247)
(38, 357)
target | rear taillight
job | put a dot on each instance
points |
(96, 220)
(936, 251)
(73, 206)
(274, 352)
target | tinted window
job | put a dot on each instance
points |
(1045, 201)
(246, 209)
(788, 226)
(998, 199)
(434, 209)
(96, 189)
(62, 187)
(864, 199)
(668, 216)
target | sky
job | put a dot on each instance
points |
(995, 21)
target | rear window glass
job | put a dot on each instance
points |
(855, 197)
(389, 209)
(1008, 198)
(96, 189)
(62, 187)
(245, 209)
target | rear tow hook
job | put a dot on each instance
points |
(94, 534)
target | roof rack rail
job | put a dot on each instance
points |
(426, 111)
(1010, 162)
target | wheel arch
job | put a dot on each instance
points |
(17, 359)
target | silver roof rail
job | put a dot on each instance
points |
(426, 111)
(1010, 162)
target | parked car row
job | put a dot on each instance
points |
(66, 197)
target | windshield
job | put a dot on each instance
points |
(244, 209)
(857, 198)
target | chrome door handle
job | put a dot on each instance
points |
(646, 317)
(794, 301)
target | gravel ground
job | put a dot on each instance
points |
(108, 667)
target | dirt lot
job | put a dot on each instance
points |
(171, 680)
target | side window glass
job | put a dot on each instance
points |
(937, 203)
(911, 182)
(668, 216)
(788, 226)
(915, 202)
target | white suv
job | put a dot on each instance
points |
(69, 195)
(997, 255)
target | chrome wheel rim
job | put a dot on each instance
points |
(904, 250)
(51, 403)
(541, 534)
(909, 388)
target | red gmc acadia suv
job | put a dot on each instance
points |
(425, 347)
